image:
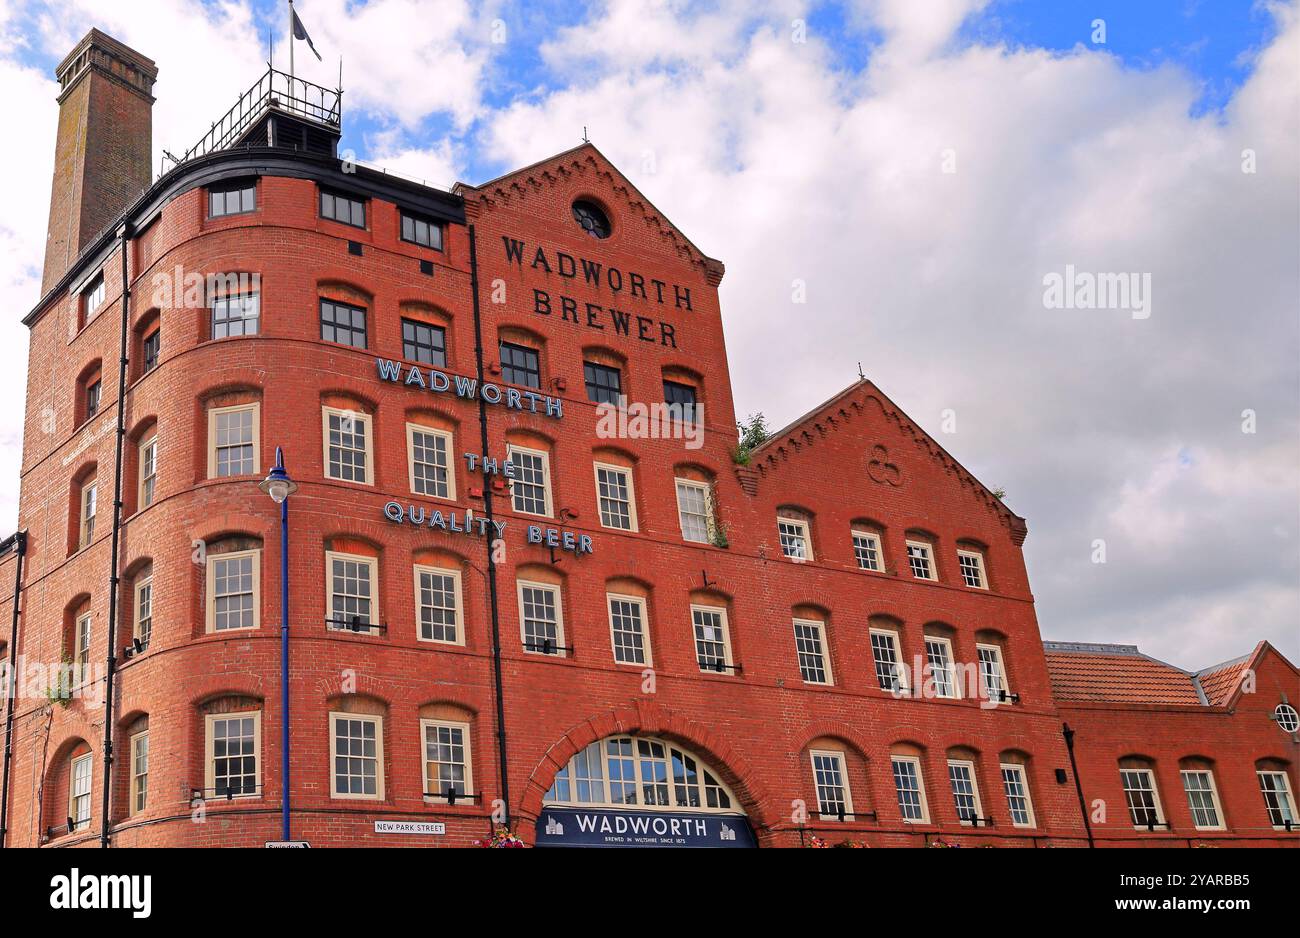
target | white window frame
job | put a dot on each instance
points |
(378, 722)
(1022, 778)
(842, 767)
(139, 773)
(81, 640)
(1284, 789)
(209, 760)
(803, 533)
(74, 771)
(727, 658)
(93, 297)
(468, 764)
(900, 669)
(706, 490)
(985, 690)
(1215, 804)
(559, 617)
(141, 585)
(626, 473)
(874, 538)
(978, 557)
(147, 495)
(920, 788)
(823, 653)
(368, 430)
(547, 495)
(256, 408)
(210, 590)
(1155, 796)
(446, 437)
(88, 511)
(595, 760)
(459, 600)
(969, 767)
(953, 682)
(372, 567)
(643, 609)
(933, 574)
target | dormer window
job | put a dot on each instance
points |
(232, 199)
(421, 231)
(347, 209)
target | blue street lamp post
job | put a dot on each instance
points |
(279, 486)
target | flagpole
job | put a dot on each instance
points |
(291, 43)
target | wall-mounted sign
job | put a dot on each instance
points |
(439, 382)
(558, 537)
(410, 827)
(607, 827)
(466, 522)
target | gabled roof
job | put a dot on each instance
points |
(835, 415)
(584, 158)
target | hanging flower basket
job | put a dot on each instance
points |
(942, 843)
(501, 837)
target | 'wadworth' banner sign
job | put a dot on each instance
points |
(610, 827)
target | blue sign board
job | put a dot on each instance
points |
(610, 827)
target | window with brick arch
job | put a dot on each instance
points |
(643, 772)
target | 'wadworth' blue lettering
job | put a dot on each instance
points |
(430, 379)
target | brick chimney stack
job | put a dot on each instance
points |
(104, 151)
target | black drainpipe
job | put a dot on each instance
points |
(16, 542)
(113, 579)
(1078, 785)
(487, 510)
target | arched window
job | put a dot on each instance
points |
(640, 771)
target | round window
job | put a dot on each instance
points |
(1287, 718)
(592, 218)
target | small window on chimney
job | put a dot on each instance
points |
(232, 199)
(92, 298)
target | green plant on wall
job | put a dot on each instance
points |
(753, 434)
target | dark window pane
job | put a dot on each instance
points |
(235, 315)
(519, 365)
(421, 231)
(92, 399)
(152, 346)
(232, 199)
(342, 323)
(343, 208)
(604, 384)
(424, 343)
(592, 219)
(682, 395)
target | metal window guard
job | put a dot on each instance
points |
(230, 794)
(548, 647)
(354, 625)
(841, 814)
(720, 666)
(975, 820)
(452, 797)
(136, 647)
(1005, 695)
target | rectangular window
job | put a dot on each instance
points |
(94, 393)
(831, 781)
(232, 199)
(79, 791)
(144, 610)
(541, 621)
(866, 550)
(794, 539)
(810, 645)
(993, 677)
(446, 760)
(1140, 794)
(81, 650)
(421, 231)
(342, 323)
(627, 629)
(424, 343)
(938, 655)
(614, 496)
(233, 441)
(139, 772)
(152, 348)
(1203, 799)
(520, 365)
(234, 752)
(236, 315)
(148, 470)
(890, 674)
(1276, 789)
(918, 559)
(694, 511)
(682, 399)
(347, 209)
(92, 298)
(971, 564)
(347, 445)
(233, 601)
(531, 490)
(353, 596)
(358, 756)
(432, 473)
(907, 786)
(604, 384)
(965, 796)
(438, 604)
(712, 641)
(1017, 792)
(89, 505)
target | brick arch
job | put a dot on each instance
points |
(837, 730)
(651, 719)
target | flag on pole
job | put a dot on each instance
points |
(300, 32)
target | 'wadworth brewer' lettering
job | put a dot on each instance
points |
(430, 379)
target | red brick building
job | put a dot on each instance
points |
(531, 578)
